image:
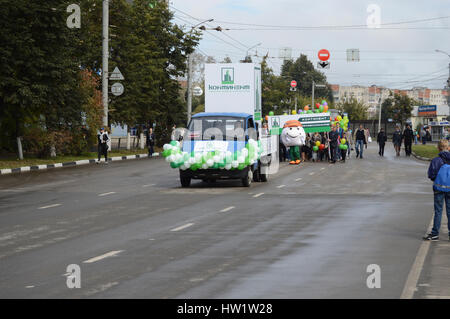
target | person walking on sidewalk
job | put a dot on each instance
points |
(360, 139)
(408, 136)
(381, 140)
(103, 140)
(439, 173)
(150, 141)
(397, 140)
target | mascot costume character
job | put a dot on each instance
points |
(293, 136)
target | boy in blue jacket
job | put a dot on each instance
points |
(439, 196)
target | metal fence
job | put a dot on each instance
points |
(120, 143)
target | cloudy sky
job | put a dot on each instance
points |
(399, 54)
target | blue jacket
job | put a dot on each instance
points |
(436, 163)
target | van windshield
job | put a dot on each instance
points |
(217, 128)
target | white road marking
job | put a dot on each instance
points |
(281, 186)
(311, 173)
(110, 254)
(257, 195)
(298, 179)
(28, 287)
(182, 227)
(105, 194)
(322, 168)
(416, 269)
(49, 206)
(148, 185)
(227, 209)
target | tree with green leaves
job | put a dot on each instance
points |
(397, 107)
(302, 70)
(151, 52)
(356, 111)
(41, 76)
(227, 59)
(275, 96)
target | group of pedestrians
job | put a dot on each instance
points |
(103, 141)
(330, 151)
(398, 138)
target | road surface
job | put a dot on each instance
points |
(310, 232)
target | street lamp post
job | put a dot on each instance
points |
(448, 80)
(105, 56)
(314, 85)
(379, 115)
(189, 77)
(246, 55)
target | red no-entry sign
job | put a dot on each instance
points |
(294, 83)
(324, 55)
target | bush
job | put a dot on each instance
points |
(39, 142)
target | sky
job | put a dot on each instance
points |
(396, 55)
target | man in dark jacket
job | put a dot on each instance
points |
(333, 137)
(381, 140)
(102, 139)
(408, 136)
(150, 138)
(397, 140)
(360, 140)
(439, 196)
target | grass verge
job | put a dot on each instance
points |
(13, 162)
(428, 151)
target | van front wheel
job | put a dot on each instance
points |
(184, 179)
(247, 180)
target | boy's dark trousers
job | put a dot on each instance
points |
(439, 198)
(333, 149)
(343, 154)
(381, 149)
(408, 148)
(103, 150)
(150, 150)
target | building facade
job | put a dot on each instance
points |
(373, 96)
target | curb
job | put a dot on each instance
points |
(24, 169)
(420, 157)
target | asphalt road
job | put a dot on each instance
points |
(310, 232)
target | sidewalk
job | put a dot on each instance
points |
(434, 281)
(70, 164)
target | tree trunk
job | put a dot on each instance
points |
(18, 138)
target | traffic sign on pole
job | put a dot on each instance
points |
(117, 89)
(324, 55)
(197, 91)
(116, 75)
(293, 83)
(323, 65)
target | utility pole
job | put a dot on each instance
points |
(314, 85)
(295, 102)
(189, 89)
(379, 115)
(105, 57)
(448, 80)
(246, 54)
